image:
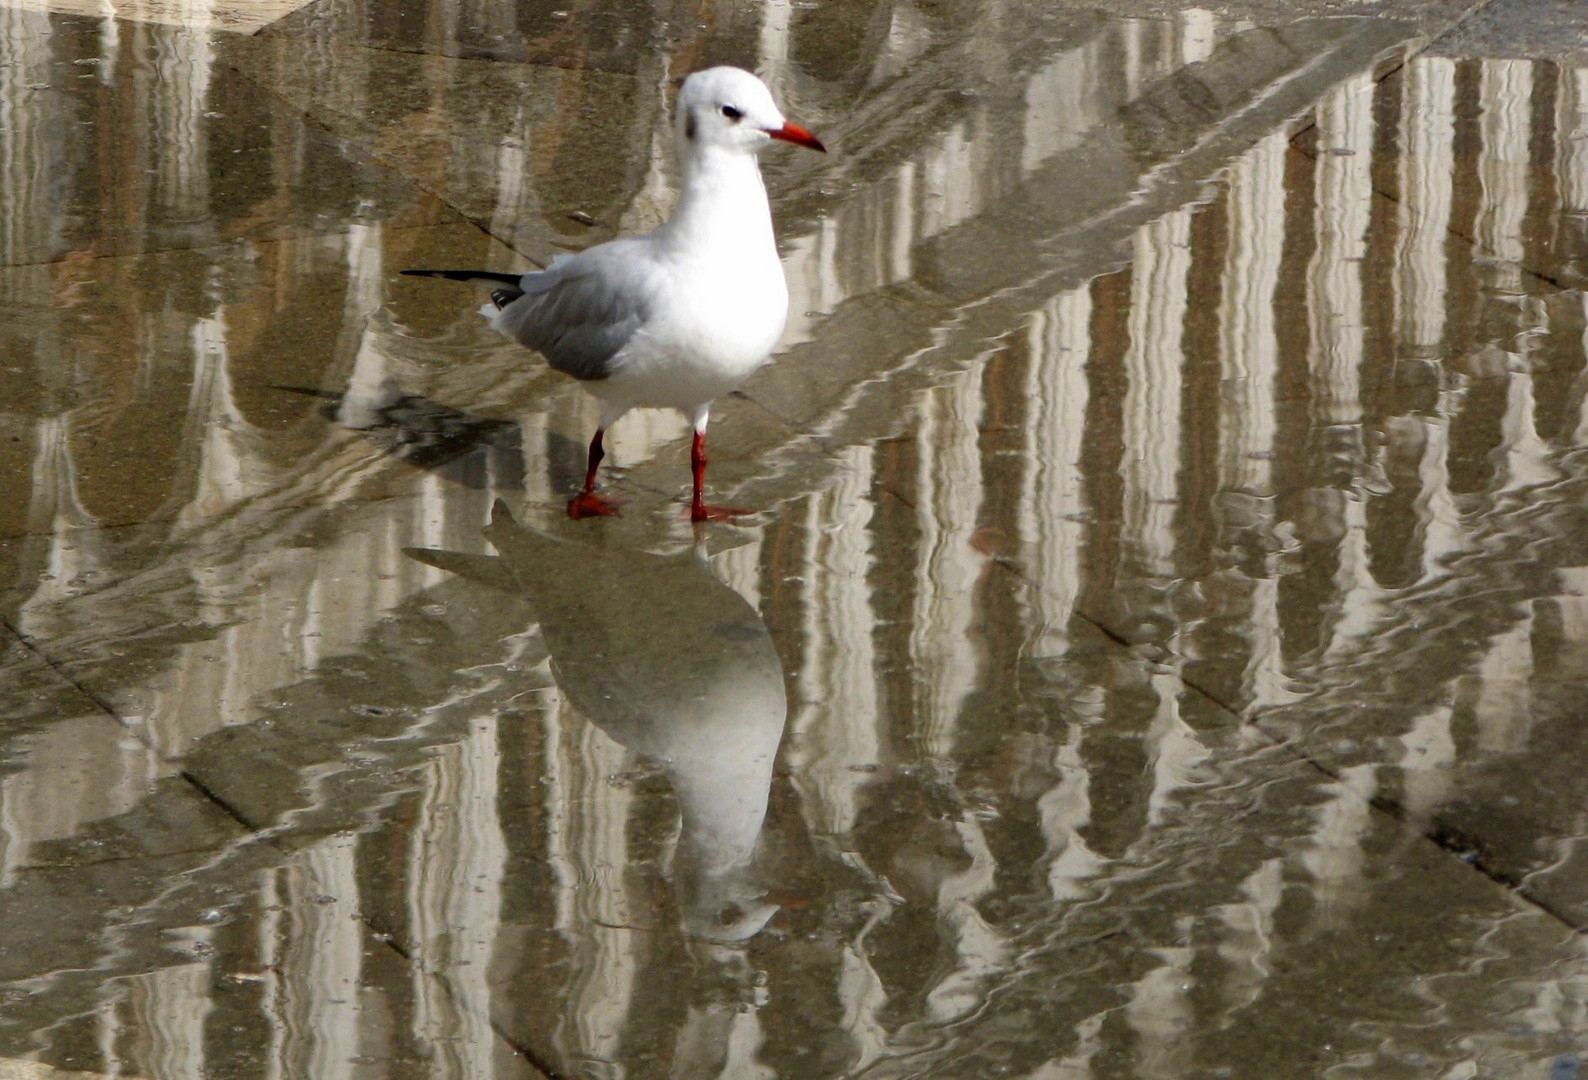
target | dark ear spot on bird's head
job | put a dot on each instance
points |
(689, 126)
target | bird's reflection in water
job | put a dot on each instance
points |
(474, 451)
(678, 668)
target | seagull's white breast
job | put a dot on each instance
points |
(722, 318)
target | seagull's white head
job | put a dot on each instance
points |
(729, 108)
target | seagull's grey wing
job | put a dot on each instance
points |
(582, 311)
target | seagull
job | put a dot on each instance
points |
(676, 317)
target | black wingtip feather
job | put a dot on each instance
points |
(482, 276)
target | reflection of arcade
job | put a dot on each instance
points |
(675, 666)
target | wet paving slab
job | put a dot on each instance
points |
(1156, 653)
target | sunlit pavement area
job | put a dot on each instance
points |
(1157, 652)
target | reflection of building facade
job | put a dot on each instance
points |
(1179, 451)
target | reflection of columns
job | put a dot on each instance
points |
(1344, 196)
(31, 142)
(1076, 1065)
(1526, 456)
(777, 18)
(365, 297)
(1159, 1012)
(1573, 603)
(1263, 678)
(456, 858)
(864, 246)
(313, 963)
(536, 428)
(1426, 185)
(1063, 100)
(1361, 600)
(948, 496)
(169, 1007)
(638, 437)
(1164, 47)
(836, 729)
(1248, 352)
(1248, 939)
(1427, 176)
(1580, 435)
(1427, 756)
(1336, 856)
(594, 896)
(1053, 498)
(1436, 505)
(1066, 811)
(1504, 168)
(955, 180)
(1571, 128)
(1249, 369)
(1571, 172)
(183, 59)
(515, 195)
(1503, 707)
(1198, 34)
(56, 511)
(78, 769)
(1153, 363)
(739, 568)
(229, 468)
(1173, 748)
(1506, 97)
(1130, 45)
(1334, 280)
(981, 953)
(652, 203)
(862, 997)
(558, 782)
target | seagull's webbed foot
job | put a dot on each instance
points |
(587, 504)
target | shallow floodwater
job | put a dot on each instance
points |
(1158, 654)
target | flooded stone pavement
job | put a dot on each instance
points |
(1157, 654)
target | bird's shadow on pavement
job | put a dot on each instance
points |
(474, 451)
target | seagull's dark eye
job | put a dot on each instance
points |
(733, 114)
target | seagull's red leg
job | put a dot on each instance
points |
(587, 503)
(698, 510)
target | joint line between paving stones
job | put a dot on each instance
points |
(389, 939)
(226, 808)
(1464, 853)
(1450, 844)
(526, 1053)
(104, 706)
(109, 710)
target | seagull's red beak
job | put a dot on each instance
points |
(799, 136)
